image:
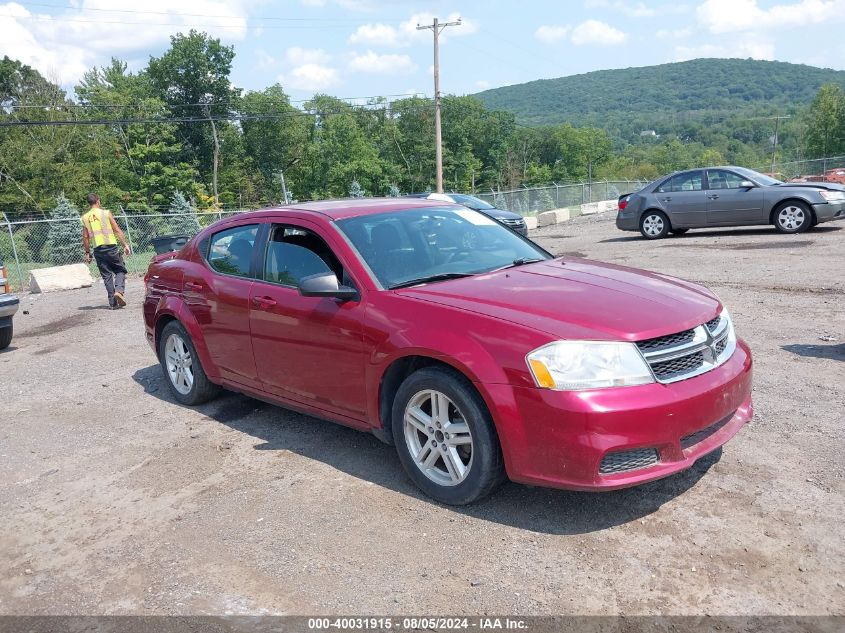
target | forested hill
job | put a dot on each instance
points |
(653, 93)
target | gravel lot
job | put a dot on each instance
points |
(116, 500)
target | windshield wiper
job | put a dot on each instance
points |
(521, 261)
(423, 280)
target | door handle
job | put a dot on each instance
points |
(667, 199)
(713, 197)
(190, 285)
(263, 302)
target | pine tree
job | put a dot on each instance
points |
(355, 190)
(394, 191)
(64, 237)
(185, 220)
(545, 200)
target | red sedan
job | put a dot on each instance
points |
(478, 363)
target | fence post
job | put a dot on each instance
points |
(14, 251)
(606, 189)
(128, 234)
(583, 193)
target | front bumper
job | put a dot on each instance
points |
(560, 439)
(8, 305)
(828, 211)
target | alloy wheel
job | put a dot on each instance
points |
(438, 437)
(177, 358)
(653, 225)
(791, 218)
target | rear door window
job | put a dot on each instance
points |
(230, 251)
(690, 181)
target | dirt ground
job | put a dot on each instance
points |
(116, 500)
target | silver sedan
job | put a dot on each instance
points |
(727, 196)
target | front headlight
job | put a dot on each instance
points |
(577, 365)
(833, 196)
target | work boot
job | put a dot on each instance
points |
(119, 300)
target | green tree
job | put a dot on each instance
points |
(192, 78)
(355, 190)
(826, 122)
(184, 220)
(65, 234)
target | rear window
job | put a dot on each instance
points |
(230, 251)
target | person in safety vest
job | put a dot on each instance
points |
(100, 230)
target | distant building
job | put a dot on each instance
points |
(649, 133)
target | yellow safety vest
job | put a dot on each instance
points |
(98, 224)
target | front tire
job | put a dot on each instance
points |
(182, 369)
(6, 336)
(445, 437)
(793, 217)
(654, 225)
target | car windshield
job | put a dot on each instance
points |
(471, 201)
(430, 244)
(756, 176)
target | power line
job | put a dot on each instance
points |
(233, 117)
(192, 15)
(53, 106)
(62, 19)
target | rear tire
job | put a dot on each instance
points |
(6, 336)
(793, 217)
(679, 231)
(182, 368)
(654, 225)
(445, 437)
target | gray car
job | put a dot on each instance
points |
(727, 196)
(8, 307)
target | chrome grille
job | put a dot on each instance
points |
(666, 342)
(669, 369)
(513, 223)
(699, 436)
(624, 461)
(688, 353)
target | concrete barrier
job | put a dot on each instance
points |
(531, 222)
(60, 278)
(555, 216)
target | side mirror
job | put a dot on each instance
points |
(747, 184)
(325, 285)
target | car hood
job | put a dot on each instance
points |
(578, 299)
(500, 214)
(830, 186)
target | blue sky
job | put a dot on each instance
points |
(358, 48)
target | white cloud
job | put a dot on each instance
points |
(65, 44)
(595, 32)
(313, 3)
(371, 62)
(265, 60)
(310, 77)
(375, 35)
(552, 33)
(727, 16)
(482, 84)
(756, 49)
(298, 56)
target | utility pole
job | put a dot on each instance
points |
(436, 26)
(284, 187)
(775, 148)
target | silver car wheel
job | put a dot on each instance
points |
(653, 225)
(791, 218)
(177, 358)
(438, 438)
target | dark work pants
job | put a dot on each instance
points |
(110, 262)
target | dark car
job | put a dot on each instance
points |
(477, 363)
(727, 196)
(508, 218)
(8, 307)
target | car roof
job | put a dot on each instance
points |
(352, 207)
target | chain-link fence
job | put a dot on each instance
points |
(533, 200)
(30, 244)
(815, 170)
